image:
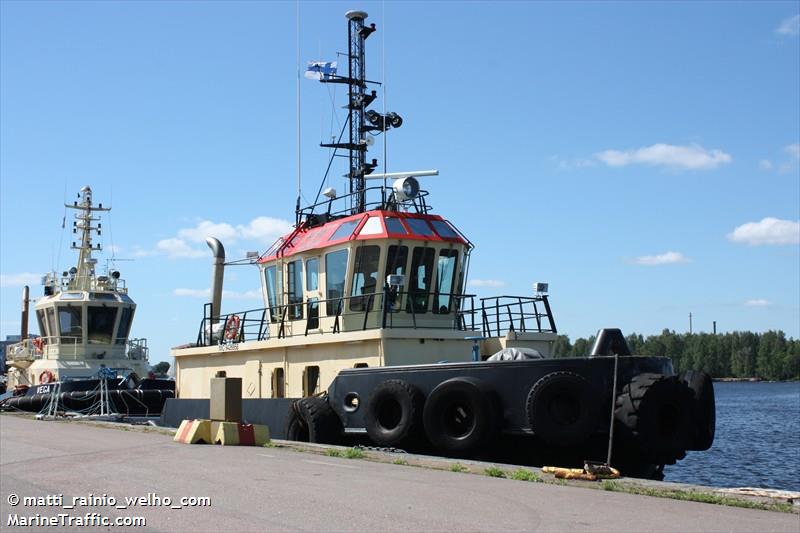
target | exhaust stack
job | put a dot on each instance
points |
(216, 277)
(26, 301)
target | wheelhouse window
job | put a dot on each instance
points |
(295, 289)
(419, 284)
(396, 261)
(365, 278)
(335, 271)
(100, 324)
(312, 286)
(40, 320)
(70, 324)
(444, 229)
(273, 279)
(345, 230)
(393, 225)
(445, 281)
(51, 322)
(371, 227)
(420, 227)
(125, 320)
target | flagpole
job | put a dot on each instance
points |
(383, 85)
(297, 47)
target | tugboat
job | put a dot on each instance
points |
(367, 325)
(83, 360)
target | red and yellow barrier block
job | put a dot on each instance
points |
(225, 433)
(194, 432)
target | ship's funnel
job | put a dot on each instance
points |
(26, 301)
(216, 277)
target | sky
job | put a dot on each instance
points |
(641, 158)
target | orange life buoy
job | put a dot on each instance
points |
(46, 377)
(232, 327)
(38, 343)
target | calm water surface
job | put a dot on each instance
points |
(757, 443)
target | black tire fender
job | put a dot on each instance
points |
(393, 413)
(705, 411)
(296, 428)
(460, 416)
(562, 408)
(656, 411)
(324, 425)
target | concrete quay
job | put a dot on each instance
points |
(178, 487)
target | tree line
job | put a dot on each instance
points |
(739, 354)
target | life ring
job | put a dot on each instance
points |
(656, 413)
(561, 408)
(46, 377)
(704, 412)
(460, 416)
(232, 327)
(393, 413)
(38, 344)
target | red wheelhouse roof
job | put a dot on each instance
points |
(376, 224)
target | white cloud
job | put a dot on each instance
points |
(206, 228)
(178, 248)
(494, 283)
(231, 295)
(692, 157)
(789, 26)
(765, 164)
(793, 150)
(668, 258)
(18, 280)
(758, 303)
(768, 231)
(265, 229)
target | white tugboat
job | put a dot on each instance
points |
(84, 322)
(367, 325)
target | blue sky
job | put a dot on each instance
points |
(642, 158)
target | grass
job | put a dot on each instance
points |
(696, 496)
(334, 453)
(399, 461)
(521, 474)
(458, 467)
(493, 471)
(270, 444)
(354, 453)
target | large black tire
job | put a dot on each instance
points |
(705, 411)
(562, 409)
(296, 428)
(657, 412)
(323, 423)
(459, 416)
(393, 414)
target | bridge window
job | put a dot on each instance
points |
(310, 380)
(345, 230)
(273, 280)
(295, 280)
(40, 320)
(278, 383)
(69, 321)
(444, 229)
(335, 271)
(393, 225)
(371, 227)
(365, 278)
(419, 285)
(312, 285)
(396, 261)
(125, 319)
(420, 227)
(51, 323)
(100, 324)
(445, 281)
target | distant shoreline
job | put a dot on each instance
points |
(752, 380)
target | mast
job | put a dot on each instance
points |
(84, 272)
(360, 121)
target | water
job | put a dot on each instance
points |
(757, 442)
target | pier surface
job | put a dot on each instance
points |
(278, 489)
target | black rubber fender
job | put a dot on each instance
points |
(393, 413)
(460, 416)
(562, 408)
(705, 410)
(324, 425)
(656, 411)
(296, 428)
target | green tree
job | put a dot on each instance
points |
(161, 367)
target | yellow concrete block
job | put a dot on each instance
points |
(194, 432)
(234, 434)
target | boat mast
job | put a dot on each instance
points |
(357, 34)
(82, 279)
